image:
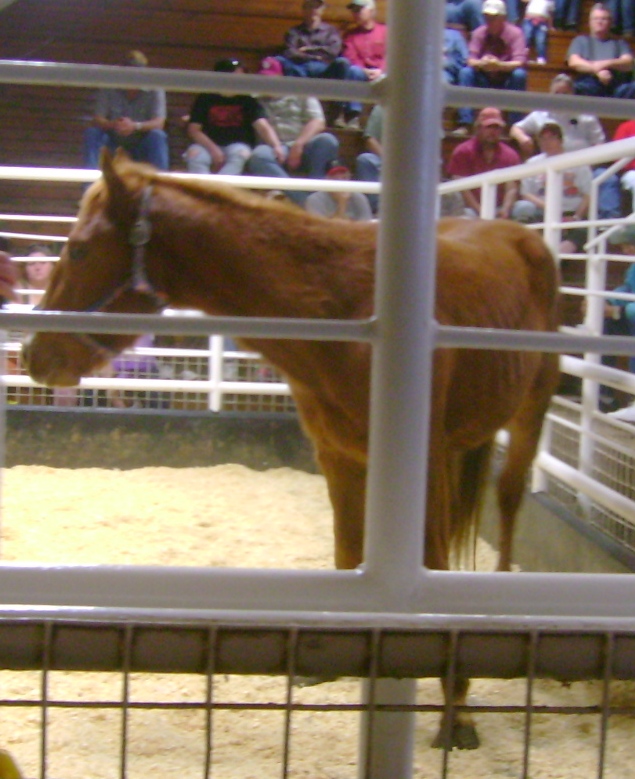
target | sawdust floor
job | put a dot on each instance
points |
(230, 515)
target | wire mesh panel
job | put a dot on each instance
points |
(206, 698)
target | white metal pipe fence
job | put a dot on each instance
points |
(403, 335)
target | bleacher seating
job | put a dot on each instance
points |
(43, 126)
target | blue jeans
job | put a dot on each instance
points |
(567, 14)
(338, 69)
(590, 85)
(623, 15)
(470, 77)
(513, 11)
(536, 35)
(199, 160)
(368, 168)
(625, 325)
(355, 73)
(465, 12)
(151, 147)
(609, 196)
(315, 69)
(317, 154)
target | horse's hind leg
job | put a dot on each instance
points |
(524, 435)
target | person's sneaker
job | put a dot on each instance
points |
(541, 61)
(347, 121)
(626, 414)
(340, 122)
(460, 132)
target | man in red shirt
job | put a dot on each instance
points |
(364, 46)
(481, 153)
(627, 130)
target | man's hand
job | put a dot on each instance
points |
(125, 126)
(294, 157)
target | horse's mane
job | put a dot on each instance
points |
(138, 175)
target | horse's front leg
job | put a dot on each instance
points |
(346, 481)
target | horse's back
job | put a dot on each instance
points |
(500, 275)
(495, 273)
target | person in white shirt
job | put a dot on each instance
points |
(535, 26)
(576, 188)
(579, 131)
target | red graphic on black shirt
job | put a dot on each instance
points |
(226, 116)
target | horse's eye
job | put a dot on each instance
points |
(77, 252)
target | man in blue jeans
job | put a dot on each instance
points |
(497, 58)
(313, 47)
(301, 145)
(132, 119)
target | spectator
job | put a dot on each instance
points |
(223, 129)
(619, 319)
(603, 65)
(340, 205)
(37, 273)
(464, 14)
(454, 55)
(579, 132)
(576, 187)
(535, 27)
(482, 153)
(567, 14)
(365, 48)
(623, 16)
(36, 276)
(627, 130)
(302, 145)
(132, 119)
(368, 163)
(313, 47)
(497, 58)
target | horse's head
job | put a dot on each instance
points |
(102, 268)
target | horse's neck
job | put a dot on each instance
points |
(237, 260)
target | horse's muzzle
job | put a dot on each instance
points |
(48, 363)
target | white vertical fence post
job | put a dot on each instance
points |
(404, 305)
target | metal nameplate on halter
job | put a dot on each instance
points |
(140, 232)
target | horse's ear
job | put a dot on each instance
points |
(119, 205)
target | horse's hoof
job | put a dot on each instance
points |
(463, 736)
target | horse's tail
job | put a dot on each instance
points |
(470, 477)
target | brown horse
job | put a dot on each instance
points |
(143, 239)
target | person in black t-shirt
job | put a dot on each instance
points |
(225, 128)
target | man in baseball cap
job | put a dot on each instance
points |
(494, 8)
(483, 152)
(364, 46)
(361, 4)
(497, 58)
(490, 117)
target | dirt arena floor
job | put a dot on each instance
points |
(230, 515)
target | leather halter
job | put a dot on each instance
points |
(138, 238)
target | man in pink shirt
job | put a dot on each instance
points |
(482, 153)
(364, 46)
(497, 57)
